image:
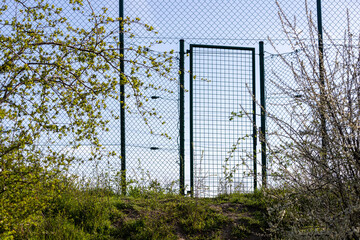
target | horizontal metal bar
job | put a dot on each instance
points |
(221, 47)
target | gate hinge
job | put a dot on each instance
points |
(188, 51)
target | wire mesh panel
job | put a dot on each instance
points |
(151, 130)
(216, 22)
(222, 127)
(152, 149)
(293, 99)
(338, 17)
(281, 108)
(88, 161)
(152, 141)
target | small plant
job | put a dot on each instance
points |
(200, 187)
(226, 182)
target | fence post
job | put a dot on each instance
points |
(122, 98)
(263, 114)
(191, 124)
(322, 81)
(182, 113)
(254, 119)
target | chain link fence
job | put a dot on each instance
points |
(293, 91)
(152, 145)
(245, 23)
(51, 142)
(152, 149)
(216, 22)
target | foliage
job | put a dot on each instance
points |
(93, 213)
(56, 80)
(317, 162)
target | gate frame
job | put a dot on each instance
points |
(254, 135)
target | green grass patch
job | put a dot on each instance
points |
(100, 214)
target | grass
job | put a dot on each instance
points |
(101, 214)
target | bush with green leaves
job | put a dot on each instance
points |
(56, 79)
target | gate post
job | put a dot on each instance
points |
(263, 114)
(254, 120)
(182, 113)
(191, 124)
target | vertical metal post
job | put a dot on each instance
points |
(322, 79)
(254, 119)
(191, 124)
(182, 114)
(263, 114)
(122, 98)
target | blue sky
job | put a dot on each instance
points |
(227, 22)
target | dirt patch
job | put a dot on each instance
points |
(242, 223)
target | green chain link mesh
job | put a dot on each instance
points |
(229, 22)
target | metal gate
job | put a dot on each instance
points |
(222, 120)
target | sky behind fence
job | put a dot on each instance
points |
(230, 23)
